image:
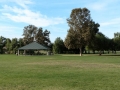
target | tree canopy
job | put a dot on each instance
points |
(32, 33)
(58, 46)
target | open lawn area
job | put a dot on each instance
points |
(59, 72)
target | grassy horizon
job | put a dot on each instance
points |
(59, 72)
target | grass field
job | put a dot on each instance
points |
(59, 72)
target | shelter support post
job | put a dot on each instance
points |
(18, 53)
(24, 52)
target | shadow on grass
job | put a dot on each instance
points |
(110, 55)
(101, 55)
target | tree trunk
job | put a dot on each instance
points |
(80, 51)
(108, 51)
(88, 51)
(93, 51)
(100, 53)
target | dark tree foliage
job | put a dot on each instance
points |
(101, 42)
(2, 44)
(58, 46)
(116, 41)
(42, 37)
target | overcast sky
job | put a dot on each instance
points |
(52, 15)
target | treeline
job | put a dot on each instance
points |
(100, 44)
(9, 46)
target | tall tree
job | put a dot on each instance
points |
(32, 33)
(81, 29)
(29, 33)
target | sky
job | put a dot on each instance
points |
(52, 15)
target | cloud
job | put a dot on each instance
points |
(58, 29)
(10, 31)
(23, 3)
(97, 6)
(110, 27)
(101, 4)
(115, 22)
(30, 17)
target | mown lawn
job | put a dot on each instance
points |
(59, 72)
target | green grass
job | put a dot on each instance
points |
(59, 72)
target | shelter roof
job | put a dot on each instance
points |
(33, 46)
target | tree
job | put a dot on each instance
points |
(116, 41)
(58, 46)
(2, 44)
(8, 43)
(20, 42)
(32, 33)
(117, 35)
(101, 42)
(14, 45)
(81, 29)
